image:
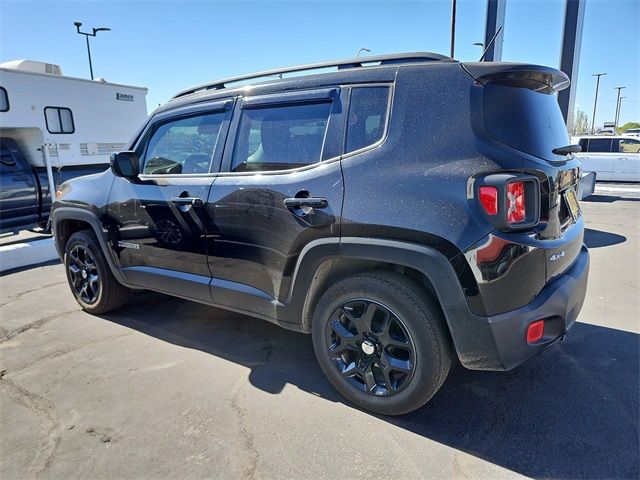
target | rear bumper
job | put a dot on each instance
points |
(499, 342)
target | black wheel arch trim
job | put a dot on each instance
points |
(81, 215)
(427, 260)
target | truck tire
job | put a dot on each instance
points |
(90, 279)
(381, 341)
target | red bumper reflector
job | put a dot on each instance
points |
(535, 331)
(489, 199)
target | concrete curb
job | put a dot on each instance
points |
(20, 255)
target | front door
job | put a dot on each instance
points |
(627, 163)
(160, 221)
(279, 189)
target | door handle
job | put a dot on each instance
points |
(194, 201)
(310, 202)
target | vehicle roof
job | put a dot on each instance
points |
(590, 137)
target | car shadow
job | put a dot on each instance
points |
(599, 238)
(570, 412)
(598, 198)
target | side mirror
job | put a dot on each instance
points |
(125, 165)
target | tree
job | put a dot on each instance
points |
(580, 122)
(627, 126)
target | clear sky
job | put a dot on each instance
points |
(170, 45)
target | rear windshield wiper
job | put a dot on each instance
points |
(566, 150)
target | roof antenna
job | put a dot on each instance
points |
(489, 44)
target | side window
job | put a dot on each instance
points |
(59, 120)
(629, 145)
(584, 144)
(7, 163)
(4, 100)
(282, 137)
(367, 116)
(183, 145)
(599, 145)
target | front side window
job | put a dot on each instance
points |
(59, 120)
(629, 145)
(367, 116)
(280, 138)
(4, 100)
(184, 145)
(599, 145)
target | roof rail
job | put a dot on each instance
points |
(396, 58)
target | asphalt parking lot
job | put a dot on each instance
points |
(170, 389)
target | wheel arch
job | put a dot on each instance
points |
(322, 263)
(68, 220)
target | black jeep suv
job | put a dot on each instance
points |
(400, 208)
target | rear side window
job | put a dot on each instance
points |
(629, 145)
(59, 120)
(281, 137)
(4, 100)
(526, 120)
(183, 145)
(599, 145)
(367, 116)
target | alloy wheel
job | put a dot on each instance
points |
(371, 347)
(83, 272)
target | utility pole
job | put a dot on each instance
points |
(595, 100)
(619, 110)
(453, 27)
(618, 105)
(87, 35)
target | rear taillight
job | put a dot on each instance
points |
(510, 201)
(489, 199)
(516, 206)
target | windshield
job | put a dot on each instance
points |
(525, 120)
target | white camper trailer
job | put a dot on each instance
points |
(54, 128)
(81, 122)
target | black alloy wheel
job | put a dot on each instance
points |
(371, 347)
(83, 274)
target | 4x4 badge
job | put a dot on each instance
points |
(122, 244)
(557, 256)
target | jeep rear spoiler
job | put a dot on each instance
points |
(534, 77)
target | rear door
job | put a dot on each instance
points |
(597, 157)
(627, 161)
(279, 189)
(160, 220)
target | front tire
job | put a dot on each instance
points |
(381, 342)
(90, 279)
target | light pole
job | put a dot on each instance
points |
(362, 50)
(87, 35)
(453, 27)
(618, 105)
(619, 109)
(595, 100)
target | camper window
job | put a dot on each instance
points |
(59, 120)
(4, 100)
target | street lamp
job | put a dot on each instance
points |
(87, 35)
(362, 50)
(479, 44)
(595, 100)
(618, 105)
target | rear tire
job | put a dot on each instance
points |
(381, 342)
(90, 279)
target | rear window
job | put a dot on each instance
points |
(525, 120)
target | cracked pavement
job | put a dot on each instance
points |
(166, 388)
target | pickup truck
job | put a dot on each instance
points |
(25, 199)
